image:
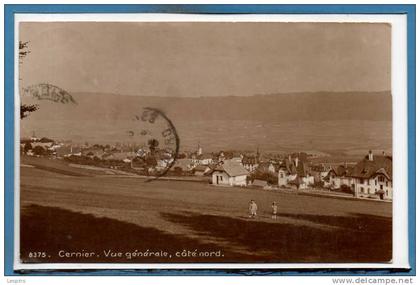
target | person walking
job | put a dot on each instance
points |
(253, 209)
(274, 211)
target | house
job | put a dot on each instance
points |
(284, 176)
(120, 156)
(259, 183)
(273, 168)
(201, 170)
(147, 162)
(46, 140)
(287, 172)
(93, 152)
(66, 151)
(304, 178)
(163, 158)
(76, 150)
(205, 159)
(164, 162)
(373, 176)
(320, 172)
(55, 146)
(45, 145)
(236, 159)
(295, 172)
(250, 162)
(185, 164)
(229, 174)
(302, 156)
(338, 176)
(267, 167)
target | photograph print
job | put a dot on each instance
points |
(205, 142)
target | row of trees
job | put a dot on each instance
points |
(37, 150)
(271, 178)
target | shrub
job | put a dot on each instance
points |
(39, 150)
(27, 147)
(318, 184)
(177, 170)
(346, 189)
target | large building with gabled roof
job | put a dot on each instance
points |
(373, 175)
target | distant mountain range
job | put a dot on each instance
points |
(317, 106)
(323, 121)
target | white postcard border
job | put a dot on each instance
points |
(399, 128)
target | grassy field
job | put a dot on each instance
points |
(58, 166)
(63, 213)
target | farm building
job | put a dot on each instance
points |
(230, 174)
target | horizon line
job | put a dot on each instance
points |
(216, 96)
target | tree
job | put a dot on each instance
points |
(153, 144)
(46, 140)
(181, 155)
(25, 109)
(346, 189)
(265, 176)
(27, 147)
(318, 184)
(250, 179)
(39, 150)
(23, 49)
(178, 170)
(151, 161)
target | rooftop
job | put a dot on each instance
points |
(381, 164)
(232, 168)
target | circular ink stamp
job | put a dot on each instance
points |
(49, 92)
(156, 143)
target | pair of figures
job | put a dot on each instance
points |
(253, 208)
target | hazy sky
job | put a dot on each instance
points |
(207, 59)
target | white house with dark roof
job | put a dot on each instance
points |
(229, 174)
(338, 176)
(373, 176)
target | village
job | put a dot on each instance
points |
(369, 178)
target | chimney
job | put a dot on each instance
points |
(296, 161)
(370, 155)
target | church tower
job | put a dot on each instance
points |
(199, 149)
(258, 154)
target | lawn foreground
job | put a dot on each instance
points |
(115, 219)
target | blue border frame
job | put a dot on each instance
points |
(10, 10)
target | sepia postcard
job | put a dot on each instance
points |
(261, 143)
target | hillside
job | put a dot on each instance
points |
(318, 106)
